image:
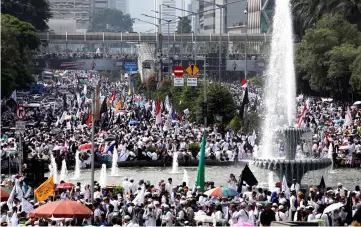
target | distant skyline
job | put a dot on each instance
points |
(137, 7)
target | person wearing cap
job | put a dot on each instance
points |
(341, 190)
(280, 215)
(293, 203)
(166, 217)
(126, 221)
(150, 216)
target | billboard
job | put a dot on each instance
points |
(240, 65)
(86, 64)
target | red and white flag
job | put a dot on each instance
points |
(302, 116)
(348, 117)
(158, 114)
(244, 84)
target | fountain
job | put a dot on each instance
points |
(77, 166)
(280, 106)
(54, 168)
(64, 171)
(175, 163)
(185, 177)
(114, 171)
(103, 176)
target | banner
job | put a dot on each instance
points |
(240, 65)
(45, 189)
(86, 64)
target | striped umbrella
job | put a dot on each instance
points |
(221, 192)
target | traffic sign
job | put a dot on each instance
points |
(178, 71)
(192, 70)
(130, 67)
(192, 82)
(178, 82)
(20, 126)
(20, 113)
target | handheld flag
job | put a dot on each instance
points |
(113, 97)
(45, 189)
(302, 116)
(90, 118)
(244, 84)
(201, 165)
(248, 177)
(158, 114)
(245, 101)
(13, 96)
(348, 117)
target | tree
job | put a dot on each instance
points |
(36, 12)
(110, 20)
(356, 72)
(184, 26)
(306, 13)
(18, 39)
(326, 53)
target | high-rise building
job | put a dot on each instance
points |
(122, 5)
(234, 14)
(260, 15)
(194, 7)
(169, 14)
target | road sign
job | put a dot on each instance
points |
(20, 126)
(20, 113)
(178, 71)
(192, 70)
(192, 82)
(130, 67)
(178, 82)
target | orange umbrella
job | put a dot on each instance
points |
(85, 146)
(4, 195)
(62, 209)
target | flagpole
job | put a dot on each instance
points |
(92, 164)
(205, 93)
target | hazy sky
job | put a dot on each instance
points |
(137, 7)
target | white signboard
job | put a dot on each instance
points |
(178, 82)
(192, 82)
(20, 126)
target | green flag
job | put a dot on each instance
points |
(201, 165)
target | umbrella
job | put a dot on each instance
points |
(133, 122)
(333, 207)
(85, 146)
(62, 209)
(221, 192)
(66, 185)
(109, 138)
(4, 194)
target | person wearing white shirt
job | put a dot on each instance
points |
(295, 186)
(323, 217)
(280, 215)
(150, 216)
(217, 216)
(251, 216)
(342, 190)
(293, 203)
(168, 186)
(166, 217)
(243, 215)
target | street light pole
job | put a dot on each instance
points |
(246, 45)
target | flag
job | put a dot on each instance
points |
(11, 198)
(113, 97)
(244, 84)
(174, 115)
(26, 206)
(118, 106)
(322, 187)
(302, 116)
(104, 108)
(90, 119)
(201, 164)
(158, 114)
(348, 117)
(111, 149)
(14, 97)
(129, 91)
(285, 187)
(85, 90)
(45, 189)
(245, 101)
(248, 177)
(348, 209)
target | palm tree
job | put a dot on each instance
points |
(307, 12)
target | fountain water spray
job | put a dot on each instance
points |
(54, 168)
(175, 163)
(103, 176)
(64, 171)
(280, 90)
(114, 171)
(77, 166)
(271, 182)
(185, 177)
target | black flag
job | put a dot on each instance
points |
(104, 108)
(245, 101)
(248, 177)
(322, 187)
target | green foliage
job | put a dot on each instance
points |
(326, 53)
(152, 82)
(306, 13)
(356, 72)
(236, 123)
(118, 189)
(184, 26)
(194, 148)
(110, 20)
(35, 12)
(18, 39)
